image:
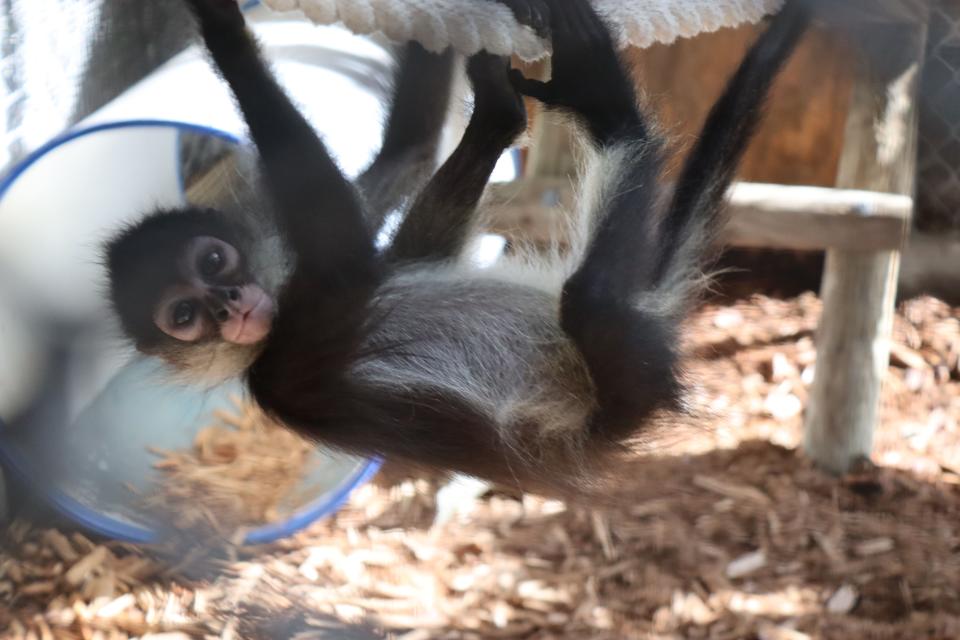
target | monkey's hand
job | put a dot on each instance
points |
(217, 14)
(532, 13)
(588, 78)
(497, 104)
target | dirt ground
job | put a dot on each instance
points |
(726, 533)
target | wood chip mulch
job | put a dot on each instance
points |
(242, 471)
(729, 533)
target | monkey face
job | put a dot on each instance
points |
(214, 296)
(184, 289)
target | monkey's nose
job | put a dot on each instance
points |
(222, 315)
(227, 294)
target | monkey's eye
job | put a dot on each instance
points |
(212, 263)
(183, 313)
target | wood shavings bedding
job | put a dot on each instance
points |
(242, 471)
(729, 535)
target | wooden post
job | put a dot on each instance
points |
(859, 287)
(551, 153)
(550, 158)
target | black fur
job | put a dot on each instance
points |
(142, 262)
(532, 13)
(318, 369)
(418, 110)
(437, 224)
(631, 351)
(713, 161)
(588, 78)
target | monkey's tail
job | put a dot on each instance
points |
(696, 213)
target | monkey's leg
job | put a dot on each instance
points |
(629, 353)
(439, 220)
(623, 304)
(418, 109)
(408, 155)
(317, 208)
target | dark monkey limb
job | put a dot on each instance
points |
(335, 245)
(418, 110)
(438, 223)
(408, 155)
(623, 303)
(407, 353)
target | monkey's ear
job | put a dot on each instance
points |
(141, 261)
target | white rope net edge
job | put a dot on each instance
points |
(473, 25)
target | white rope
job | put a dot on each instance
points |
(472, 25)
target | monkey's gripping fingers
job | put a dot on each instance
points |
(217, 13)
(532, 13)
(545, 92)
(497, 104)
(222, 26)
(589, 79)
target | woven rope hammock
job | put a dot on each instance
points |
(472, 25)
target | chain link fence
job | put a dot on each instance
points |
(938, 180)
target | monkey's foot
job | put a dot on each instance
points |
(495, 100)
(589, 79)
(532, 13)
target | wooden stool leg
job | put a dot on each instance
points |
(859, 287)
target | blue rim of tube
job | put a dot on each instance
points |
(7, 180)
(95, 521)
(89, 517)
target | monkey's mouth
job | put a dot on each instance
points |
(250, 323)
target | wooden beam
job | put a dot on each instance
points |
(761, 215)
(859, 287)
(766, 215)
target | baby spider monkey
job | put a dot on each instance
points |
(408, 352)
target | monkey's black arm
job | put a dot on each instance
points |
(438, 222)
(408, 154)
(712, 163)
(318, 209)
